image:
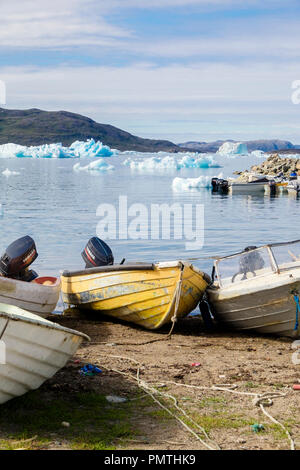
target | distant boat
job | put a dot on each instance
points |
(293, 187)
(39, 296)
(257, 289)
(258, 185)
(255, 186)
(32, 350)
(148, 295)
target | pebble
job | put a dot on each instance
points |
(115, 399)
(241, 441)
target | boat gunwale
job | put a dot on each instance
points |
(34, 285)
(38, 321)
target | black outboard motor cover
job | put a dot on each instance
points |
(224, 186)
(97, 253)
(17, 257)
(215, 184)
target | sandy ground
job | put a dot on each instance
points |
(196, 357)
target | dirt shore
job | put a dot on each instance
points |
(192, 356)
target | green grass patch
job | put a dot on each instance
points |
(222, 420)
(94, 422)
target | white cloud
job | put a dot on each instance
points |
(56, 24)
(269, 46)
(209, 100)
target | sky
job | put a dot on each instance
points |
(182, 70)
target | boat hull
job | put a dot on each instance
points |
(144, 297)
(32, 296)
(31, 350)
(247, 188)
(268, 311)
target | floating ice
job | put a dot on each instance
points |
(168, 162)
(96, 165)
(205, 161)
(258, 153)
(78, 149)
(187, 184)
(9, 172)
(90, 148)
(10, 150)
(233, 148)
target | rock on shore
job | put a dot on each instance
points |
(274, 166)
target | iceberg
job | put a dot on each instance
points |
(90, 148)
(9, 172)
(206, 161)
(171, 163)
(258, 153)
(233, 148)
(77, 149)
(95, 166)
(187, 184)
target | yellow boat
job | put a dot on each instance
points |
(149, 295)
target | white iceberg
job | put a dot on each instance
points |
(233, 148)
(95, 166)
(171, 163)
(78, 149)
(90, 148)
(10, 150)
(9, 172)
(258, 153)
(205, 161)
(187, 184)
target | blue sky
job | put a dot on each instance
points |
(175, 69)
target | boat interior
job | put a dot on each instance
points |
(257, 262)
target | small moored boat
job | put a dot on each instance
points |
(32, 350)
(255, 186)
(258, 289)
(39, 296)
(21, 286)
(146, 294)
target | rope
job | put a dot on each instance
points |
(176, 299)
(152, 392)
(261, 400)
(296, 298)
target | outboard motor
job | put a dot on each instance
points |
(18, 256)
(224, 186)
(215, 184)
(273, 187)
(97, 253)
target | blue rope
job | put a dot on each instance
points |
(296, 298)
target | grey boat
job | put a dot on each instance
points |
(258, 289)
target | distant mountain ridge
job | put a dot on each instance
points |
(264, 145)
(37, 127)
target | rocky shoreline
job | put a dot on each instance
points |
(275, 165)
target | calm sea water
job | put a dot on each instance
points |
(57, 207)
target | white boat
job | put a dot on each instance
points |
(257, 186)
(258, 289)
(32, 350)
(293, 187)
(39, 296)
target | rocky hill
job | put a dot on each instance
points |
(37, 127)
